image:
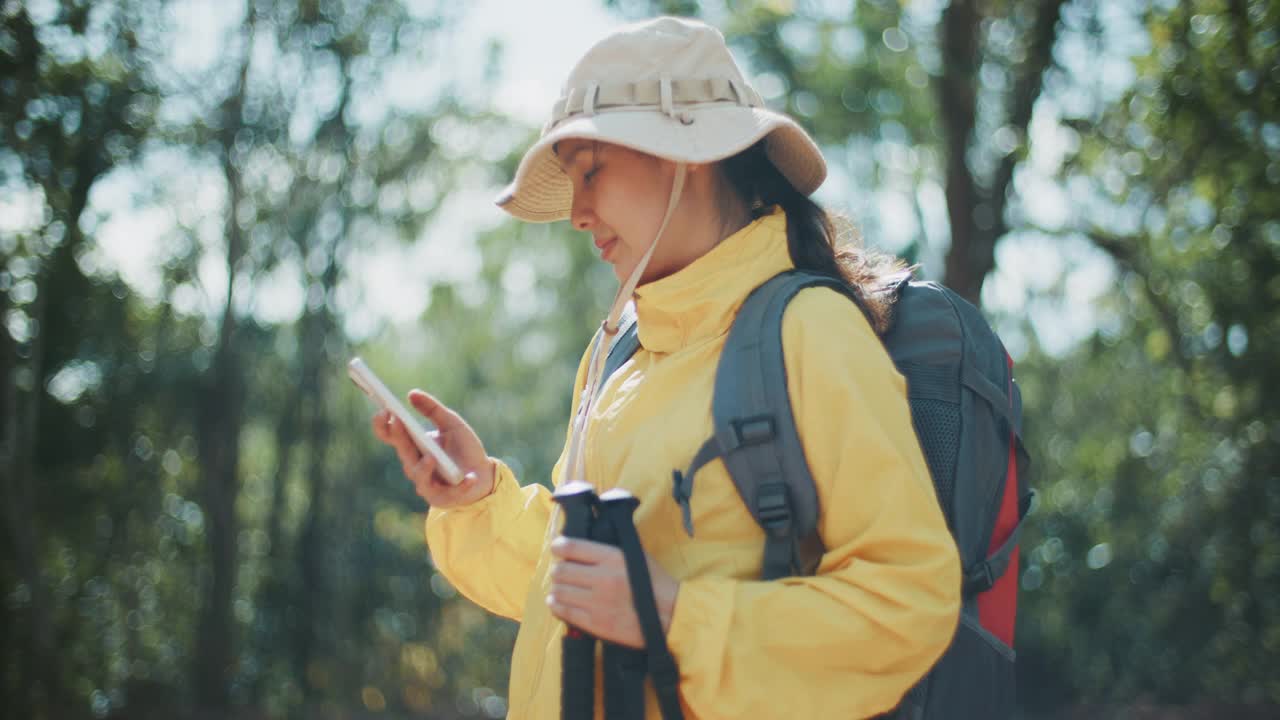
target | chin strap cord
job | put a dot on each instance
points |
(575, 467)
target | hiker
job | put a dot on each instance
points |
(696, 194)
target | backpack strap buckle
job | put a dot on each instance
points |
(682, 491)
(753, 430)
(979, 579)
(984, 575)
(773, 508)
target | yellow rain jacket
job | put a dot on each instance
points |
(845, 643)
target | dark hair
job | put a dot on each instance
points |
(811, 232)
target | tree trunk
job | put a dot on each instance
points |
(318, 607)
(976, 207)
(220, 417)
(273, 593)
(218, 448)
(12, 674)
(38, 674)
(958, 90)
(315, 625)
(43, 680)
(43, 683)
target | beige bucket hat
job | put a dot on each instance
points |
(667, 87)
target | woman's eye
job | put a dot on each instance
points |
(586, 177)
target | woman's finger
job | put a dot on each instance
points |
(577, 574)
(406, 451)
(571, 596)
(584, 551)
(434, 410)
(422, 469)
(571, 615)
(380, 427)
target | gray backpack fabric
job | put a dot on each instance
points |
(967, 413)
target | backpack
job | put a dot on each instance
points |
(967, 413)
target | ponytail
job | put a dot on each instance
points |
(811, 232)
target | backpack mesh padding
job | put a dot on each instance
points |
(937, 424)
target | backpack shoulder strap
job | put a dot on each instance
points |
(755, 431)
(625, 343)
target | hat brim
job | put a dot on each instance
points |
(541, 192)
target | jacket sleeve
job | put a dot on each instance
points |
(849, 641)
(489, 550)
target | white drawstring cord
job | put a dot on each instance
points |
(575, 467)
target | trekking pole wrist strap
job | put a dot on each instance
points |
(662, 665)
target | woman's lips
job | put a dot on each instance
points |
(606, 246)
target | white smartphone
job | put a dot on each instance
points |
(366, 380)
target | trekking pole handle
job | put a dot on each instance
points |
(577, 648)
(578, 500)
(625, 669)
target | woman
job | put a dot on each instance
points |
(696, 194)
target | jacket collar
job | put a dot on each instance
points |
(699, 301)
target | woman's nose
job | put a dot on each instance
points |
(581, 215)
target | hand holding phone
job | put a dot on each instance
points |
(366, 380)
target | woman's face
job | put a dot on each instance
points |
(620, 196)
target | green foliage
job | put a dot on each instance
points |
(197, 436)
(1158, 439)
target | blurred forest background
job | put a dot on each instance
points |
(198, 522)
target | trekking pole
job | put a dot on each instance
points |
(577, 648)
(619, 507)
(624, 668)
